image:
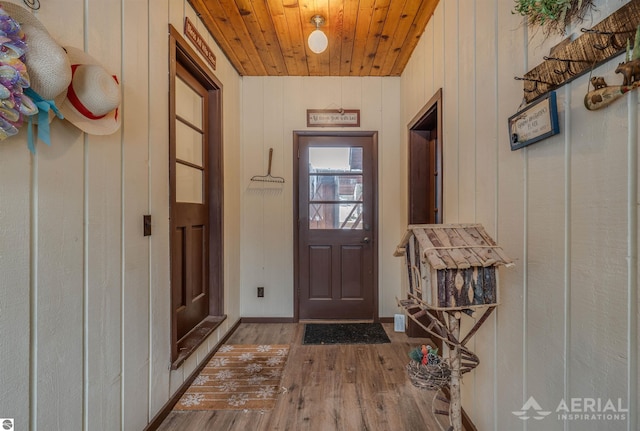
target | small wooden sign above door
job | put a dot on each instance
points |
(194, 36)
(333, 118)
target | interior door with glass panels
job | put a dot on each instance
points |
(188, 177)
(336, 227)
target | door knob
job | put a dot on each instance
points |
(366, 240)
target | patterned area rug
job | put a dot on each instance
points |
(238, 377)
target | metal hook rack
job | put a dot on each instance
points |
(567, 64)
(578, 57)
(611, 37)
(535, 85)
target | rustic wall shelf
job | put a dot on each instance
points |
(594, 47)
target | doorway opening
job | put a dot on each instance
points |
(425, 180)
(195, 199)
(425, 163)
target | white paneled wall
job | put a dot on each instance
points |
(84, 296)
(272, 109)
(564, 208)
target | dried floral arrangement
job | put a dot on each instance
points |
(553, 15)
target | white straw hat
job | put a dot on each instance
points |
(47, 63)
(93, 97)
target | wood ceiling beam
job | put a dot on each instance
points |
(348, 35)
(335, 16)
(242, 35)
(400, 36)
(380, 13)
(215, 25)
(365, 12)
(422, 17)
(260, 27)
(279, 20)
(384, 49)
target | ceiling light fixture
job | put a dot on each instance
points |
(317, 39)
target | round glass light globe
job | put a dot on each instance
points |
(317, 41)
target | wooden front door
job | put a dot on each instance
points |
(188, 174)
(336, 225)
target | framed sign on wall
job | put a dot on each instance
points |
(535, 122)
(333, 118)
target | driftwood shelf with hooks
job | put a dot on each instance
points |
(594, 47)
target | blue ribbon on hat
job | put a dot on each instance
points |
(43, 106)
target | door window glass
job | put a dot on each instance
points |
(189, 146)
(189, 184)
(335, 216)
(188, 103)
(335, 193)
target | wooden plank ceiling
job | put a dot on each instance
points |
(269, 37)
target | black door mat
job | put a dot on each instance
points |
(344, 333)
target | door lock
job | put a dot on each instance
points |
(366, 240)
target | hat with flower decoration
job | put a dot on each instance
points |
(47, 62)
(14, 79)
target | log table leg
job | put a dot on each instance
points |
(454, 357)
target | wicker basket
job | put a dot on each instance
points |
(429, 377)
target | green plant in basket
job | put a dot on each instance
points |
(554, 15)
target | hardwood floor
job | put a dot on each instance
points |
(330, 387)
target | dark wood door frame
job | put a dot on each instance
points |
(296, 220)
(424, 128)
(425, 175)
(181, 53)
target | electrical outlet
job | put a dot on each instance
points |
(260, 292)
(398, 322)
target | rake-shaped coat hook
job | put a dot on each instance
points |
(268, 178)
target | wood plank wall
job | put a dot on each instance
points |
(564, 208)
(84, 296)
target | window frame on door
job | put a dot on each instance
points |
(181, 53)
